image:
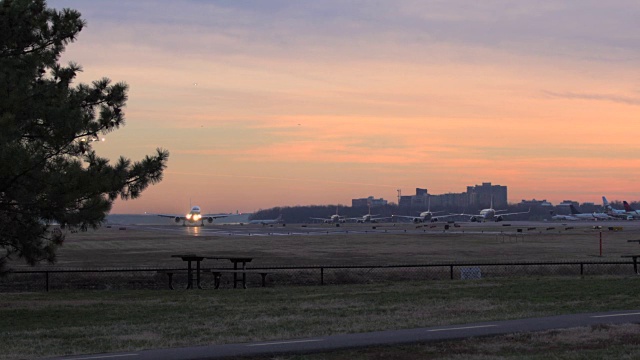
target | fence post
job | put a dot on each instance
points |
(47, 280)
(321, 276)
(581, 269)
(451, 271)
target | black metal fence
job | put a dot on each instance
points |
(158, 278)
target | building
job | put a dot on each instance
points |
(370, 201)
(478, 196)
(569, 202)
(483, 196)
(534, 202)
(419, 200)
(450, 200)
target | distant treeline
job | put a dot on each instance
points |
(303, 214)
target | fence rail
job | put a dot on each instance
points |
(157, 278)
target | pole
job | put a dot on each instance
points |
(600, 243)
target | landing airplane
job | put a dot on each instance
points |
(491, 214)
(194, 216)
(264, 222)
(609, 210)
(591, 216)
(631, 211)
(334, 219)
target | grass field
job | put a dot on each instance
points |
(44, 324)
(139, 246)
(36, 325)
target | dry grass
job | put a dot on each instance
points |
(139, 246)
(35, 325)
(45, 324)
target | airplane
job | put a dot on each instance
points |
(264, 222)
(193, 216)
(563, 217)
(425, 215)
(368, 218)
(334, 219)
(631, 211)
(609, 210)
(588, 216)
(491, 214)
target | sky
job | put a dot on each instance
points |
(286, 103)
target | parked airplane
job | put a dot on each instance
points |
(609, 210)
(491, 214)
(425, 215)
(194, 216)
(368, 218)
(563, 217)
(334, 219)
(631, 211)
(588, 216)
(264, 222)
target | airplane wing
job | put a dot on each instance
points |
(445, 216)
(412, 218)
(515, 213)
(381, 218)
(404, 216)
(216, 216)
(463, 214)
(319, 218)
(181, 217)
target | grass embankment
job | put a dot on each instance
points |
(45, 324)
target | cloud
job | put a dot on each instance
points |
(600, 97)
(347, 30)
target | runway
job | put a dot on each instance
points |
(378, 338)
(497, 228)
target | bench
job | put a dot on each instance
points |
(217, 274)
(635, 261)
(170, 274)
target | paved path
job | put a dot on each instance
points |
(325, 343)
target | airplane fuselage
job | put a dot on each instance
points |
(486, 215)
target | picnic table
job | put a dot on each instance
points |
(239, 267)
(190, 258)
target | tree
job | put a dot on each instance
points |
(49, 172)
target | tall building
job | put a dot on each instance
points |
(478, 196)
(481, 195)
(419, 200)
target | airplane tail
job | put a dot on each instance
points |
(627, 207)
(605, 203)
(574, 211)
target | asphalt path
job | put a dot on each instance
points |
(377, 338)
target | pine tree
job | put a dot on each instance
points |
(49, 172)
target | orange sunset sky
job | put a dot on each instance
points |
(284, 103)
